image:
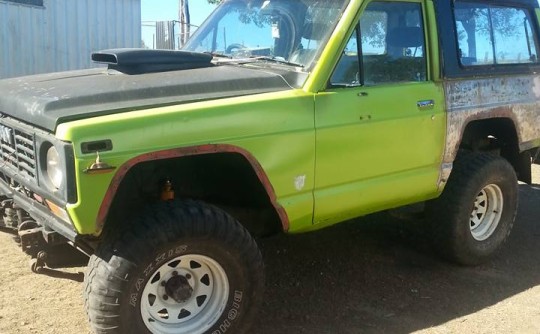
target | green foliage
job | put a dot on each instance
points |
(373, 27)
(384, 68)
(251, 17)
(505, 22)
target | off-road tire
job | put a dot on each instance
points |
(450, 215)
(128, 258)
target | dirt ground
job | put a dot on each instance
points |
(372, 275)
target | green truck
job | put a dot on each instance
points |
(277, 116)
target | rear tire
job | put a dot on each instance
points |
(476, 211)
(182, 267)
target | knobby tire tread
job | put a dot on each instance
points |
(443, 211)
(165, 222)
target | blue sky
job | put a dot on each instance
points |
(167, 10)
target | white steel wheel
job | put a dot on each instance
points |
(180, 266)
(475, 214)
(186, 295)
(487, 212)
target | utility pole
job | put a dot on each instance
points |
(184, 18)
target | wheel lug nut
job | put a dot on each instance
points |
(165, 297)
(188, 276)
(175, 273)
(163, 283)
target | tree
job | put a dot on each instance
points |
(482, 25)
(184, 18)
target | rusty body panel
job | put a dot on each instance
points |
(516, 98)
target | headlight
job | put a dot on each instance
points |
(54, 168)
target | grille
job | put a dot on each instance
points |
(18, 150)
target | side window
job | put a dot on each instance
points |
(490, 35)
(474, 39)
(392, 47)
(512, 34)
(347, 72)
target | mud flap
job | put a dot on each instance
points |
(536, 157)
(523, 167)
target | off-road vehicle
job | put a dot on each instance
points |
(277, 116)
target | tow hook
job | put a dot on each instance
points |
(32, 243)
(30, 237)
(38, 263)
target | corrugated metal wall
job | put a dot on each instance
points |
(62, 34)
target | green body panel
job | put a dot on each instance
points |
(375, 149)
(432, 42)
(276, 128)
(352, 154)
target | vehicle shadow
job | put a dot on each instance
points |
(379, 274)
(76, 277)
(62, 257)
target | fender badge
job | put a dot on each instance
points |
(99, 167)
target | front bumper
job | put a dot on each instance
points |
(39, 209)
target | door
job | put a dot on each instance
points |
(380, 126)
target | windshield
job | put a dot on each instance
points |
(291, 31)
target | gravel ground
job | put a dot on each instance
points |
(372, 275)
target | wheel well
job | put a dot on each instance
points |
(498, 135)
(226, 180)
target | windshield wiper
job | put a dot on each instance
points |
(278, 60)
(253, 59)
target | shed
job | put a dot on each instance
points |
(40, 36)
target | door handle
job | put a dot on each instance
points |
(425, 104)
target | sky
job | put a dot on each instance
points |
(167, 10)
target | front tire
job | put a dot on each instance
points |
(183, 267)
(476, 211)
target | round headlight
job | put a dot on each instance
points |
(54, 168)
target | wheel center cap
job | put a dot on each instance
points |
(179, 289)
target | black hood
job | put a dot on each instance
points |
(50, 99)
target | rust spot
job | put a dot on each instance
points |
(515, 98)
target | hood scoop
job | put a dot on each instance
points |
(140, 61)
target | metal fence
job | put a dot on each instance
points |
(164, 34)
